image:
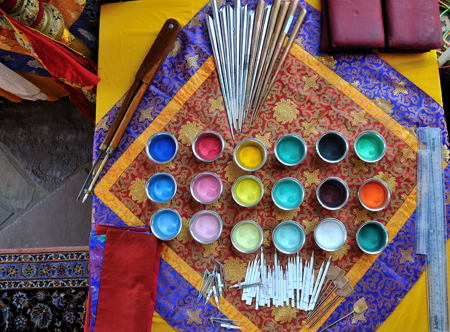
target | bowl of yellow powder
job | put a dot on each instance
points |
(250, 154)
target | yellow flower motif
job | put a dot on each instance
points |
(310, 225)
(235, 269)
(407, 153)
(358, 317)
(359, 165)
(310, 127)
(266, 241)
(284, 215)
(137, 190)
(265, 139)
(195, 22)
(188, 132)
(216, 205)
(185, 235)
(384, 104)
(216, 104)
(175, 49)
(266, 185)
(163, 205)
(390, 180)
(355, 84)
(447, 201)
(340, 253)
(446, 152)
(312, 178)
(310, 82)
(284, 314)
(358, 118)
(146, 114)
(399, 87)
(232, 171)
(328, 61)
(285, 111)
(194, 316)
(406, 255)
(166, 167)
(210, 249)
(191, 61)
(102, 123)
(361, 215)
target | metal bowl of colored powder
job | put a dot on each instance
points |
(247, 236)
(372, 237)
(290, 149)
(333, 193)
(288, 194)
(162, 147)
(289, 237)
(206, 187)
(205, 226)
(374, 194)
(370, 146)
(332, 146)
(247, 191)
(330, 234)
(166, 224)
(208, 145)
(161, 187)
(250, 154)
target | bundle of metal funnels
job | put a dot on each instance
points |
(247, 47)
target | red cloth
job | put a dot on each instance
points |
(102, 229)
(127, 294)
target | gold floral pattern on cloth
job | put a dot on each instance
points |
(327, 60)
(384, 104)
(284, 314)
(358, 318)
(406, 255)
(137, 190)
(359, 165)
(399, 88)
(195, 115)
(265, 139)
(235, 269)
(340, 253)
(194, 316)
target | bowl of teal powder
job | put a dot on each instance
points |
(288, 237)
(288, 194)
(370, 146)
(372, 237)
(290, 150)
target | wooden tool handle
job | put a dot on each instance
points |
(325, 328)
(147, 73)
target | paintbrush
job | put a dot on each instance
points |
(144, 78)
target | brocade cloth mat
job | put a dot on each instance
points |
(315, 92)
(43, 289)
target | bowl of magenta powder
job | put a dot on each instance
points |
(208, 145)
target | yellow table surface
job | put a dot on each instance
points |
(128, 29)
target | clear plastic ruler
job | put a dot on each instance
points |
(431, 226)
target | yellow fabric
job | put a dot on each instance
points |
(124, 42)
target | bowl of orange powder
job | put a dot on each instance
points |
(374, 194)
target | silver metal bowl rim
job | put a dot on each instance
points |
(300, 139)
(148, 182)
(340, 135)
(191, 187)
(376, 133)
(247, 176)
(289, 222)
(205, 212)
(388, 192)
(247, 221)
(273, 189)
(346, 198)
(153, 217)
(340, 223)
(250, 140)
(385, 230)
(147, 151)
(208, 132)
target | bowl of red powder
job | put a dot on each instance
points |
(374, 194)
(208, 145)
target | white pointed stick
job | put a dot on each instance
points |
(316, 284)
(313, 303)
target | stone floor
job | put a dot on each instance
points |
(45, 155)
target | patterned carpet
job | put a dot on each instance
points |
(43, 289)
